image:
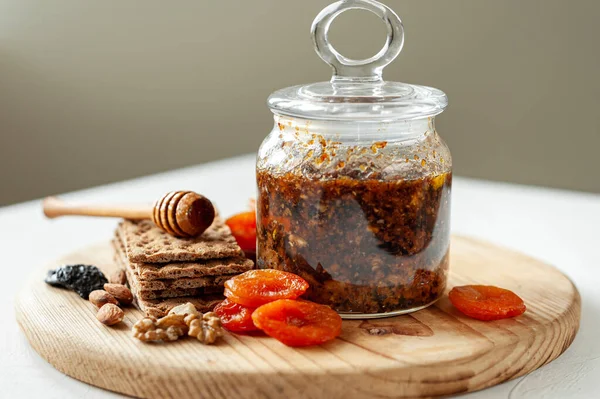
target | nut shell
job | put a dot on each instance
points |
(100, 298)
(110, 314)
(120, 292)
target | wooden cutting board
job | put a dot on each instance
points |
(432, 352)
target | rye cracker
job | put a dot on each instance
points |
(176, 270)
(144, 242)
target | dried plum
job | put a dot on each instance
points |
(82, 279)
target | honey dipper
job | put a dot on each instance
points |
(179, 213)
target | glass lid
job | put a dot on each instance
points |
(357, 90)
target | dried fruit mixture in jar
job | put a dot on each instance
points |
(372, 242)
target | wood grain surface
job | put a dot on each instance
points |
(433, 352)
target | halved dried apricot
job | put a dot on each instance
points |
(257, 287)
(298, 322)
(236, 318)
(243, 228)
(486, 302)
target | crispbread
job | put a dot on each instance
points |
(161, 307)
(186, 283)
(165, 284)
(176, 270)
(144, 242)
(147, 295)
(144, 292)
(220, 267)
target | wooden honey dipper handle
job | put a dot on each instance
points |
(179, 213)
(55, 207)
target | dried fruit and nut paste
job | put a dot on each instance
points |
(365, 245)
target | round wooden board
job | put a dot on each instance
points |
(436, 351)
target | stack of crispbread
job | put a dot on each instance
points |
(164, 271)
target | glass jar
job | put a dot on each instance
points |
(354, 183)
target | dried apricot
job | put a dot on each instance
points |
(486, 302)
(234, 317)
(257, 287)
(243, 228)
(298, 322)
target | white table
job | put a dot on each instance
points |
(559, 227)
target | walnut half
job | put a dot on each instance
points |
(181, 320)
(206, 328)
(150, 329)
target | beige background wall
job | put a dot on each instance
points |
(97, 91)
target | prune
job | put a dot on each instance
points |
(82, 279)
(298, 323)
(257, 287)
(486, 302)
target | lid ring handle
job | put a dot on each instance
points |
(347, 69)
